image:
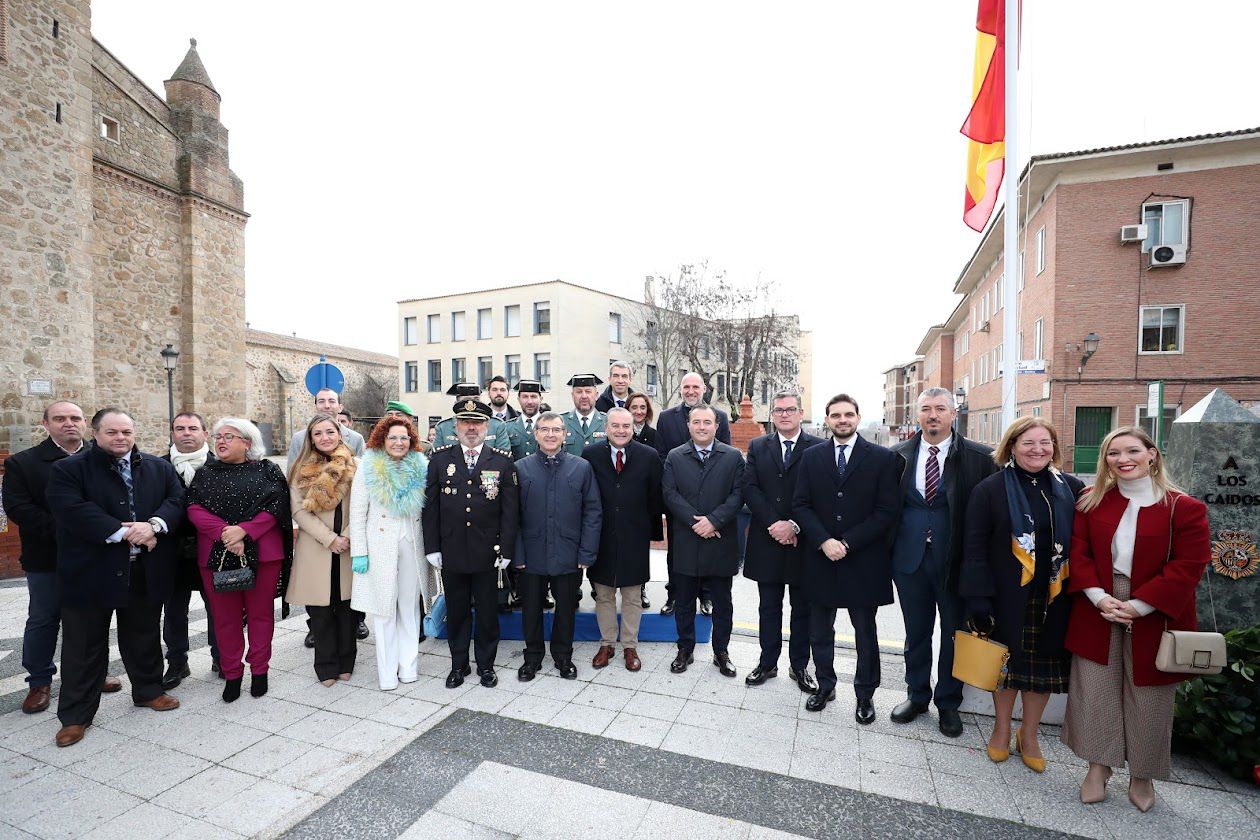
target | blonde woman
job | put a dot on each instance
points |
(1014, 576)
(1139, 548)
(319, 493)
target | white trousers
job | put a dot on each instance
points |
(397, 636)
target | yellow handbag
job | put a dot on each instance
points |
(978, 660)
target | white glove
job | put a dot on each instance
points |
(502, 563)
(435, 559)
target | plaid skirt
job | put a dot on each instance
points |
(1028, 668)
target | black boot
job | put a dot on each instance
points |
(232, 690)
(258, 685)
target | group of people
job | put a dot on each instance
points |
(499, 505)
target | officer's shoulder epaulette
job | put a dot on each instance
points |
(438, 449)
(507, 452)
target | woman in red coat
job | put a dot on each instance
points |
(1139, 548)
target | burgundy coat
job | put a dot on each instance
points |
(1167, 584)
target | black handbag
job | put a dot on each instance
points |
(232, 572)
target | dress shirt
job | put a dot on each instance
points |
(1140, 493)
(157, 523)
(707, 450)
(620, 402)
(463, 450)
(848, 449)
(920, 467)
(792, 440)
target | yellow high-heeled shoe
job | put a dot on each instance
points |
(998, 756)
(1037, 765)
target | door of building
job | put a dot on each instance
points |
(1092, 425)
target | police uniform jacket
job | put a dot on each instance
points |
(768, 492)
(471, 518)
(574, 440)
(560, 515)
(714, 489)
(496, 434)
(632, 513)
(523, 443)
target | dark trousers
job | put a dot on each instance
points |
(43, 622)
(463, 592)
(686, 589)
(334, 627)
(922, 595)
(770, 624)
(85, 652)
(822, 642)
(565, 590)
(705, 595)
(175, 629)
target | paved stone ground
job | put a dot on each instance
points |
(610, 754)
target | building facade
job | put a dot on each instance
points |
(902, 384)
(1104, 312)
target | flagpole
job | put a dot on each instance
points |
(1010, 219)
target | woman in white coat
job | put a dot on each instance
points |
(387, 543)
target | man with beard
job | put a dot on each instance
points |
(496, 430)
(500, 409)
(584, 425)
(521, 430)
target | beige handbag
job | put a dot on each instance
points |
(978, 660)
(1190, 651)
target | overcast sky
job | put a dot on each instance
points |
(397, 150)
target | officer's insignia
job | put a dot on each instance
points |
(598, 435)
(470, 406)
(450, 469)
(490, 483)
(1234, 554)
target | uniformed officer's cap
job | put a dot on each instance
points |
(471, 410)
(529, 386)
(585, 380)
(464, 389)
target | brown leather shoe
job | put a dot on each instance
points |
(602, 656)
(111, 685)
(632, 659)
(161, 703)
(69, 735)
(37, 699)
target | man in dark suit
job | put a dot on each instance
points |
(25, 488)
(703, 486)
(116, 511)
(845, 505)
(500, 408)
(772, 556)
(671, 432)
(618, 391)
(939, 469)
(629, 475)
(471, 511)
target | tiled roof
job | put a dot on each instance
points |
(315, 348)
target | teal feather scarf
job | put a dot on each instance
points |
(396, 485)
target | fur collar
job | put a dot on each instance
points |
(398, 486)
(326, 481)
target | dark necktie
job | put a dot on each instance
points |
(621, 461)
(787, 453)
(621, 403)
(124, 468)
(529, 426)
(841, 464)
(931, 475)
(703, 454)
(585, 426)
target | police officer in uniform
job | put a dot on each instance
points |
(583, 425)
(521, 428)
(496, 433)
(471, 511)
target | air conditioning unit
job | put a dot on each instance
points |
(1164, 255)
(651, 390)
(984, 328)
(1133, 233)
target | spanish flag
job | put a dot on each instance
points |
(985, 125)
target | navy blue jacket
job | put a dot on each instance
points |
(714, 489)
(561, 514)
(25, 488)
(88, 500)
(768, 492)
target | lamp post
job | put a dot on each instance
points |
(1088, 348)
(170, 358)
(960, 397)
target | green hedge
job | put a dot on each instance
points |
(1218, 717)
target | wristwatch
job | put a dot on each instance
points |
(158, 526)
(796, 529)
(845, 543)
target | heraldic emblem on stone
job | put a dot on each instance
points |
(1234, 554)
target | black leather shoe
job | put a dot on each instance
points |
(951, 724)
(818, 701)
(865, 713)
(723, 663)
(706, 607)
(309, 641)
(489, 678)
(526, 672)
(174, 676)
(907, 710)
(422, 636)
(456, 677)
(644, 602)
(804, 680)
(668, 609)
(681, 661)
(567, 670)
(760, 674)
(361, 632)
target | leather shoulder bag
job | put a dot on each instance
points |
(1190, 651)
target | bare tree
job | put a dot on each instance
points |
(367, 398)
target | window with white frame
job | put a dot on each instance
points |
(542, 318)
(512, 321)
(1020, 287)
(512, 369)
(984, 369)
(434, 328)
(459, 371)
(485, 327)
(614, 327)
(542, 370)
(411, 330)
(411, 377)
(1162, 328)
(457, 326)
(1041, 249)
(652, 379)
(966, 342)
(997, 293)
(1167, 223)
(435, 375)
(1039, 340)
(996, 365)
(485, 370)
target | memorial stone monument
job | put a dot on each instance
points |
(1214, 455)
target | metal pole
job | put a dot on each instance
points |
(1010, 219)
(170, 404)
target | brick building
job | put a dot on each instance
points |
(1179, 303)
(902, 384)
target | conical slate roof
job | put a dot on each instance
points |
(191, 69)
(1217, 407)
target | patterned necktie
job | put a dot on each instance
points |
(931, 475)
(703, 454)
(841, 464)
(621, 462)
(621, 403)
(787, 453)
(124, 468)
(470, 458)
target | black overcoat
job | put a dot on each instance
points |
(632, 513)
(88, 500)
(768, 491)
(860, 508)
(714, 489)
(471, 519)
(672, 431)
(26, 503)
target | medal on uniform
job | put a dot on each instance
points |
(490, 483)
(450, 469)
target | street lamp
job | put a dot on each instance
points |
(960, 398)
(1087, 348)
(170, 358)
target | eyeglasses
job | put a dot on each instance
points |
(228, 437)
(396, 439)
(791, 410)
(550, 430)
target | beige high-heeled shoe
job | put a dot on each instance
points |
(327, 683)
(1091, 794)
(1143, 802)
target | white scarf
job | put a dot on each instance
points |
(187, 463)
